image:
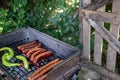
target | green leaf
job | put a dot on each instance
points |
(72, 29)
(67, 29)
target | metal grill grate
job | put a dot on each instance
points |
(20, 73)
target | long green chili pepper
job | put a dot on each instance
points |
(10, 51)
(7, 56)
(6, 62)
(25, 61)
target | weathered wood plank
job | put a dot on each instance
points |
(111, 53)
(98, 48)
(86, 39)
(98, 44)
(82, 3)
(93, 6)
(114, 29)
(81, 20)
(106, 35)
(113, 18)
(85, 32)
(97, 4)
(99, 69)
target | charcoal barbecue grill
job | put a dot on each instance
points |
(63, 71)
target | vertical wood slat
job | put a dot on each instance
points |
(98, 44)
(85, 32)
(98, 48)
(86, 39)
(114, 29)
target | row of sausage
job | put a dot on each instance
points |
(35, 53)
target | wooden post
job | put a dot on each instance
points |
(85, 30)
(98, 44)
(114, 29)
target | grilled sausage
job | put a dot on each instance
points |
(36, 53)
(27, 44)
(43, 77)
(43, 67)
(42, 56)
(40, 73)
(27, 50)
(44, 71)
(31, 52)
(31, 46)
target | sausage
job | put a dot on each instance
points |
(43, 77)
(31, 46)
(27, 44)
(32, 56)
(47, 69)
(27, 50)
(42, 56)
(31, 52)
(41, 71)
(36, 53)
(43, 67)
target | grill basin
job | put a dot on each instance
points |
(24, 35)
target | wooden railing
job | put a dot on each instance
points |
(94, 15)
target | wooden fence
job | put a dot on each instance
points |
(93, 15)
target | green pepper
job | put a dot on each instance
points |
(10, 51)
(25, 61)
(7, 56)
(6, 62)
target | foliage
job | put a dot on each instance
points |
(53, 17)
(14, 17)
(65, 28)
(3, 22)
